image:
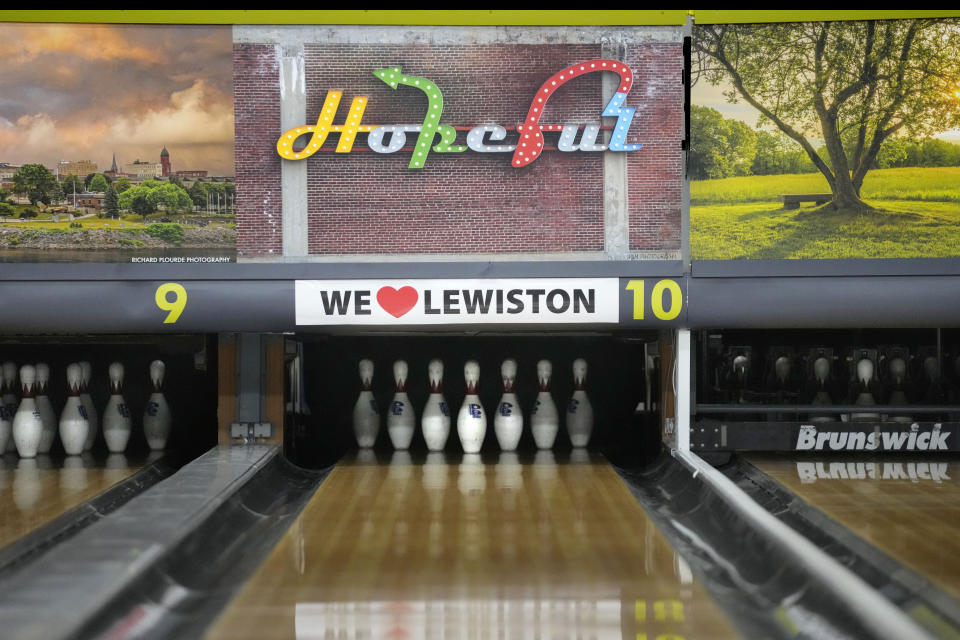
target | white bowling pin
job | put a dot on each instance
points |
(436, 414)
(781, 368)
(366, 417)
(401, 420)
(898, 371)
(86, 370)
(579, 409)
(471, 421)
(45, 407)
(9, 399)
(116, 415)
(508, 420)
(73, 419)
(156, 417)
(544, 418)
(27, 423)
(865, 397)
(821, 371)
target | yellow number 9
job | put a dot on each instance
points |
(176, 306)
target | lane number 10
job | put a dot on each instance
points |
(656, 299)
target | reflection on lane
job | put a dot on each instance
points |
(907, 507)
(34, 491)
(473, 548)
(809, 472)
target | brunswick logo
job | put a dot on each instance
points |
(529, 146)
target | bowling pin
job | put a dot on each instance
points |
(156, 417)
(366, 418)
(821, 371)
(436, 414)
(401, 421)
(544, 418)
(73, 419)
(9, 399)
(471, 421)
(45, 407)
(579, 409)
(92, 417)
(782, 369)
(27, 423)
(865, 397)
(116, 415)
(898, 371)
(508, 420)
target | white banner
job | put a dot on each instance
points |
(459, 301)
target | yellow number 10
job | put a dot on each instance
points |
(175, 307)
(656, 299)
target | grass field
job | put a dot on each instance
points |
(918, 216)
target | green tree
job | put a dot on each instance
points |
(171, 197)
(121, 184)
(111, 203)
(99, 183)
(197, 194)
(6, 210)
(87, 179)
(71, 184)
(853, 84)
(136, 199)
(175, 180)
(777, 154)
(35, 182)
(720, 147)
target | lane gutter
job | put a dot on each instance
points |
(871, 609)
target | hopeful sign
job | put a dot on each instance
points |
(528, 147)
(468, 301)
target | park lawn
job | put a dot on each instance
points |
(928, 184)
(764, 230)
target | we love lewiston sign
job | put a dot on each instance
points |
(529, 145)
(466, 301)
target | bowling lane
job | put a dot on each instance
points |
(451, 549)
(34, 491)
(907, 507)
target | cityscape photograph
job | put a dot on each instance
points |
(118, 142)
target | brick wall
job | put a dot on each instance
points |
(364, 202)
(256, 95)
(655, 173)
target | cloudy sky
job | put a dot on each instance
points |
(84, 92)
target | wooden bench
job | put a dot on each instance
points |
(793, 200)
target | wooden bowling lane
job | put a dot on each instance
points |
(498, 548)
(907, 507)
(34, 491)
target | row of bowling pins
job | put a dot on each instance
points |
(34, 427)
(472, 419)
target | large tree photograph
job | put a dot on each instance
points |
(826, 140)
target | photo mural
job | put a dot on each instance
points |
(116, 143)
(825, 140)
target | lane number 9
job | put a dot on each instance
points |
(174, 306)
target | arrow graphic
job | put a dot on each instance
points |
(394, 77)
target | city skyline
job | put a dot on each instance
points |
(85, 92)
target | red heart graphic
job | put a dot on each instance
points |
(397, 302)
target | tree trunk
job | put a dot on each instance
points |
(846, 194)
